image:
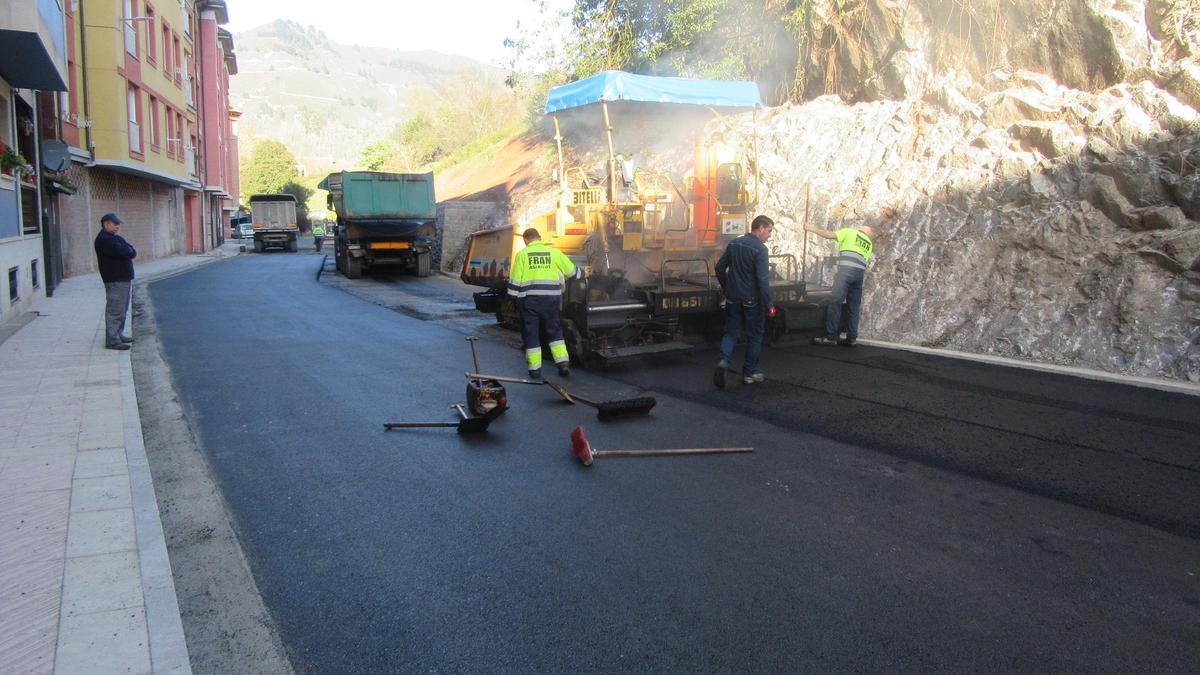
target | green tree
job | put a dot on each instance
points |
(767, 41)
(381, 156)
(270, 168)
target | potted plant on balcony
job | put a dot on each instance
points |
(11, 162)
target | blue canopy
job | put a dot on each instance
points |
(615, 85)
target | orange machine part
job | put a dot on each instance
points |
(705, 190)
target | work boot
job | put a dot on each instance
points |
(846, 342)
(536, 375)
(120, 346)
(127, 339)
(756, 378)
(719, 374)
(824, 341)
(563, 370)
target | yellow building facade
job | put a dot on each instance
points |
(140, 85)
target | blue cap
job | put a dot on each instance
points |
(110, 218)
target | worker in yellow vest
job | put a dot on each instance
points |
(536, 284)
(318, 234)
(854, 252)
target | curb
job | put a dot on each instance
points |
(1169, 386)
(164, 625)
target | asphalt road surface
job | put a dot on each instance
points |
(899, 512)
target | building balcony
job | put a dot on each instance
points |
(33, 44)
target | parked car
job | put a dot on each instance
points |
(246, 231)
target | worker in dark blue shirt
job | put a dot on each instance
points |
(742, 272)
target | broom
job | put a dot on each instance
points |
(585, 454)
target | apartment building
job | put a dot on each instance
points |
(218, 118)
(137, 120)
(32, 59)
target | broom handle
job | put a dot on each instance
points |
(500, 378)
(677, 451)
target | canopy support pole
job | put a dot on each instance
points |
(612, 157)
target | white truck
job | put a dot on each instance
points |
(273, 218)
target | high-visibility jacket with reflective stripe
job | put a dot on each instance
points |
(538, 269)
(854, 247)
(318, 231)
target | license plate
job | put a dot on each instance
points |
(685, 302)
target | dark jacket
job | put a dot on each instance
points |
(742, 271)
(115, 256)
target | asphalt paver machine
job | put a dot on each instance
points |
(649, 237)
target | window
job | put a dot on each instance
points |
(135, 127)
(187, 80)
(187, 25)
(130, 27)
(6, 135)
(166, 36)
(33, 273)
(14, 293)
(179, 130)
(171, 139)
(178, 56)
(151, 43)
(154, 131)
(191, 153)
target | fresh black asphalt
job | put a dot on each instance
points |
(900, 511)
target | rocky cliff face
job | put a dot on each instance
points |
(1033, 170)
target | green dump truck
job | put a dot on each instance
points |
(273, 219)
(383, 219)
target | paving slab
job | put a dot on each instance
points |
(85, 581)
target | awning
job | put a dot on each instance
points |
(25, 63)
(615, 85)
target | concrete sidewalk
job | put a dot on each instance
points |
(85, 583)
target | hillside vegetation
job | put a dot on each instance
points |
(328, 102)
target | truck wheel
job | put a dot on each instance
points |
(258, 247)
(293, 246)
(423, 261)
(353, 267)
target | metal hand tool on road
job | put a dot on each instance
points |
(466, 425)
(583, 450)
(604, 409)
(483, 393)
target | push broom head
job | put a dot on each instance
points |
(580, 446)
(629, 407)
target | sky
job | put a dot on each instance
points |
(474, 28)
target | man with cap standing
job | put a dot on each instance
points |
(115, 257)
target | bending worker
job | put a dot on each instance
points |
(854, 252)
(536, 282)
(743, 274)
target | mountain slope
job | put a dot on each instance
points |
(325, 101)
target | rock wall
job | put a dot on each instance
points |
(1046, 208)
(456, 221)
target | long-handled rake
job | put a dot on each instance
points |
(583, 450)
(465, 425)
(627, 407)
